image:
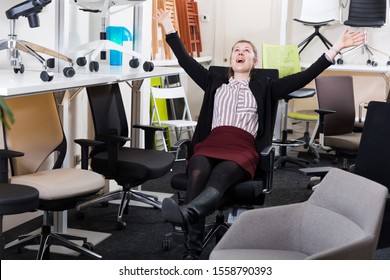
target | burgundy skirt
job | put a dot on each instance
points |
(230, 143)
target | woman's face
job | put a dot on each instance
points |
(242, 58)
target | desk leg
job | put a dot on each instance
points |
(135, 111)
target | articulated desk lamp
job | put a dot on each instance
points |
(30, 9)
(94, 48)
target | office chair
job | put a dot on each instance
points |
(286, 59)
(37, 134)
(247, 194)
(129, 167)
(335, 95)
(341, 220)
(318, 13)
(180, 125)
(31, 9)
(94, 48)
(366, 14)
(15, 199)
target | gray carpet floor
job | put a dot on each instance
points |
(146, 229)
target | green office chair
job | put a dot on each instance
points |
(286, 59)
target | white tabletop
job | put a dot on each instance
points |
(354, 68)
(29, 82)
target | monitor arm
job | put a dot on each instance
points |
(29, 9)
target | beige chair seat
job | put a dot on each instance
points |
(349, 141)
(61, 183)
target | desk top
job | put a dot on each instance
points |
(29, 82)
(354, 68)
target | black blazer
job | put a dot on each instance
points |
(265, 90)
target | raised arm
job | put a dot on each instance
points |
(345, 40)
(195, 70)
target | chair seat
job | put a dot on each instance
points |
(135, 164)
(349, 141)
(365, 23)
(62, 183)
(303, 115)
(178, 123)
(248, 192)
(15, 199)
(256, 254)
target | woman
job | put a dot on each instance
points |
(231, 126)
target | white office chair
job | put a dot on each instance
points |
(181, 121)
(318, 13)
(94, 48)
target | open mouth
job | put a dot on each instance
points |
(240, 60)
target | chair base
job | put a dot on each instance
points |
(125, 195)
(216, 229)
(316, 33)
(47, 238)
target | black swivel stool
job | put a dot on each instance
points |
(16, 199)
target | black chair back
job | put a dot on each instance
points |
(373, 156)
(108, 113)
(367, 13)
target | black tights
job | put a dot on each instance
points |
(208, 172)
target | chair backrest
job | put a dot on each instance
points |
(37, 132)
(108, 112)
(374, 150)
(320, 10)
(344, 208)
(336, 93)
(367, 13)
(285, 58)
(170, 95)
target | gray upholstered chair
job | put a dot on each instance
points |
(341, 220)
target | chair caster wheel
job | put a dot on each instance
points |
(51, 63)
(80, 215)
(148, 66)
(88, 245)
(69, 72)
(388, 63)
(120, 225)
(19, 70)
(374, 64)
(47, 76)
(81, 61)
(166, 244)
(94, 66)
(340, 61)
(134, 63)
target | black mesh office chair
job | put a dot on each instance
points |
(37, 133)
(244, 195)
(129, 167)
(366, 14)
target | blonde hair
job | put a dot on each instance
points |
(231, 72)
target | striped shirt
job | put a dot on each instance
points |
(236, 106)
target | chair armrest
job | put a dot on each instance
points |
(85, 144)
(5, 155)
(178, 145)
(266, 165)
(150, 131)
(321, 126)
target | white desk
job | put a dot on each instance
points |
(13, 85)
